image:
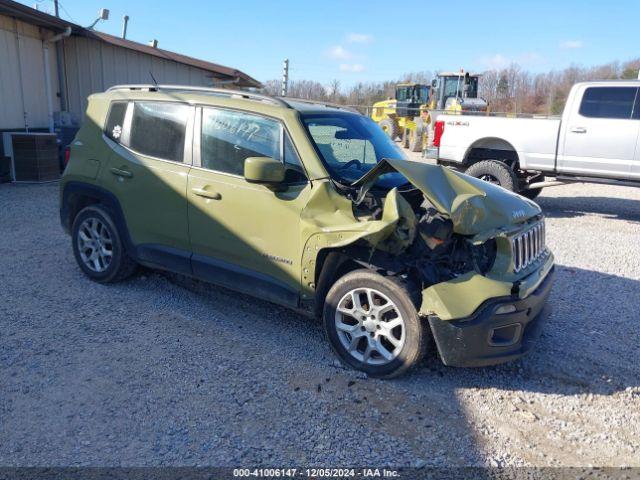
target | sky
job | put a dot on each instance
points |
(373, 40)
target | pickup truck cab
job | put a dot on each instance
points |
(595, 140)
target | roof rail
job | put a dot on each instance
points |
(318, 102)
(216, 91)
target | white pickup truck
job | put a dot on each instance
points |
(597, 139)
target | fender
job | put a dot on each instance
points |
(328, 224)
(104, 197)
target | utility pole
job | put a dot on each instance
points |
(125, 22)
(55, 7)
(285, 78)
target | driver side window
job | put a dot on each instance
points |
(229, 137)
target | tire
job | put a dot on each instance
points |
(531, 193)
(94, 226)
(415, 139)
(495, 172)
(389, 127)
(405, 138)
(409, 336)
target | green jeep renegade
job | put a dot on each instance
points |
(313, 207)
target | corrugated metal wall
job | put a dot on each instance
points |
(90, 66)
(23, 99)
(93, 66)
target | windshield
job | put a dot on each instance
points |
(454, 86)
(350, 145)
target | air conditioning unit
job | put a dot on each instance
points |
(34, 156)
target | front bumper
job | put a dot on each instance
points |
(488, 337)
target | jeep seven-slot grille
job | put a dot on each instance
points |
(528, 246)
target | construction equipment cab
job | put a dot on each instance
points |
(410, 97)
(404, 117)
(457, 92)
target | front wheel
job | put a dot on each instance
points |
(389, 127)
(372, 324)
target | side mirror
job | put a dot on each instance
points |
(263, 170)
(434, 83)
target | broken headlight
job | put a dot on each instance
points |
(484, 255)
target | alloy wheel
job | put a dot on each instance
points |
(370, 326)
(95, 244)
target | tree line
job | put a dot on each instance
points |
(511, 89)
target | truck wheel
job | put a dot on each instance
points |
(98, 248)
(415, 137)
(389, 127)
(531, 193)
(496, 172)
(405, 138)
(372, 324)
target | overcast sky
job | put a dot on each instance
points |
(374, 40)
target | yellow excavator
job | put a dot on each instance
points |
(408, 115)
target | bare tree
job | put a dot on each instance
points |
(510, 89)
(334, 90)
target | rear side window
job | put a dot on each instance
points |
(115, 120)
(228, 138)
(158, 130)
(608, 102)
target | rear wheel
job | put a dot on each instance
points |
(415, 138)
(405, 138)
(98, 248)
(389, 127)
(496, 172)
(372, 324)
(532, 193)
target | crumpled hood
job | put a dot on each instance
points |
(473, 205)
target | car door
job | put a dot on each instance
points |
(245, 236)
(600, 135)
(147, 172)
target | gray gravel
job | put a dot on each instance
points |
(155, 372)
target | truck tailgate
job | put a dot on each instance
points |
(534, 139)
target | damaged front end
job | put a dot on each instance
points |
(475, 251)
(449, 234)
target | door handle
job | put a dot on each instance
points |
(201, 192)
(578, 130)
(121, 173)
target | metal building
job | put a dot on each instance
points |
(48, 68)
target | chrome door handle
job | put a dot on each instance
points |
(121, 173)
(201, 192)
(578, 130)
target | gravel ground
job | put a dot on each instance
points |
(155, 372)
